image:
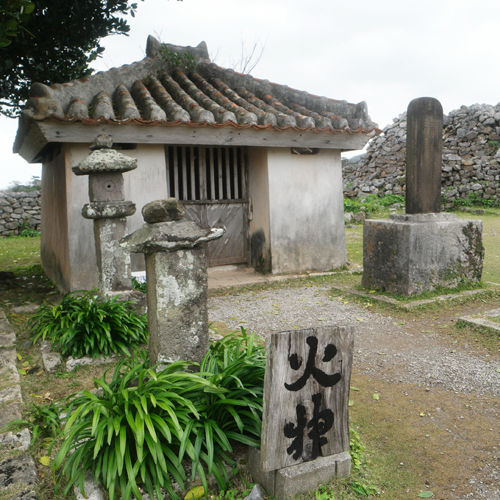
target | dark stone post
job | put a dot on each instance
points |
(424, 148)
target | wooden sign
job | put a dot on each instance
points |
(306, 395)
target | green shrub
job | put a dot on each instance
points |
(86, 324)
(371, 203)
(29, 233)
(138, 285)
(44, 422)
(473, 199)
(138, 432)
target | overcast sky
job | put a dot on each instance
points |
(383, 52)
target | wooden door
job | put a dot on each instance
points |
(211, 183)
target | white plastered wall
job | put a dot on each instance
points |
(306, 211)
(142, 185)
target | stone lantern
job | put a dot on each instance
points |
(108, 209)
(177, 281)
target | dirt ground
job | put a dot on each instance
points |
(435, 425)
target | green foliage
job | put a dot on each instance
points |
(176, 59)
(324, 493)
(43, 422)
(145, 423)
(473, 199)
(494, 146)
(363, 489)
(33, 185)
(86, 324)
(14, 14)
(29, 232)
(141, 286)
(371, 203)
(59, 40)
(357, 449)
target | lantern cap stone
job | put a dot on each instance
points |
(102, 141)
(108, 210)
(105, 160)
(169, 237)
(163, 211)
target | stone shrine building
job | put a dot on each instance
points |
(262, 159)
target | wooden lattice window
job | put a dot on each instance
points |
(199, 173)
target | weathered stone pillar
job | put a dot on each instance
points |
(108, 209)
(177, 283)
(423, 249)
(424, 151)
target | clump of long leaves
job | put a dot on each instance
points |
(135, 436)
(87, 324)
(44, 422)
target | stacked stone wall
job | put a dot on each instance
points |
(471, 158)
(19, 211)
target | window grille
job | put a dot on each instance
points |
(199, 173)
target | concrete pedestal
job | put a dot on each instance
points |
(413, 253)
(296, 479)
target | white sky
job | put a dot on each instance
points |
(383, 52)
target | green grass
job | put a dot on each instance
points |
(17, 252)
(491, 242)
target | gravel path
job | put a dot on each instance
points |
(396, 353)
(384, 348)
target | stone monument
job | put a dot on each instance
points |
(108, 209)
(422, 249)
(305, 422)
(177, 280)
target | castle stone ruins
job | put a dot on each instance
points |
(471, 157)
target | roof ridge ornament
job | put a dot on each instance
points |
(199, 53)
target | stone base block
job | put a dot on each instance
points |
(413, 253)
(302, 478)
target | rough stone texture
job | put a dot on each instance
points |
(12, 393)
(108, 210)
(8, 376)
(17, 470)
(106, 186)
(163, 211)
(265, 479)
(138, 299)
(18, 210)
(256, 494)
(169, 237)
(481, 322)
(308, 476)
(105, 160)
(112, 260)
(92, 491)
(8, 413)
(25, 495)
(7, 339)
(301, 478)
(102, 141)
(470, 160)
(177, 305)
(7, 335)
(28, 308)
(51, 359)
(423, 156)
(72, 363)
(409, 254)
(15, 441)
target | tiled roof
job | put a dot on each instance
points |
(147, 92)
